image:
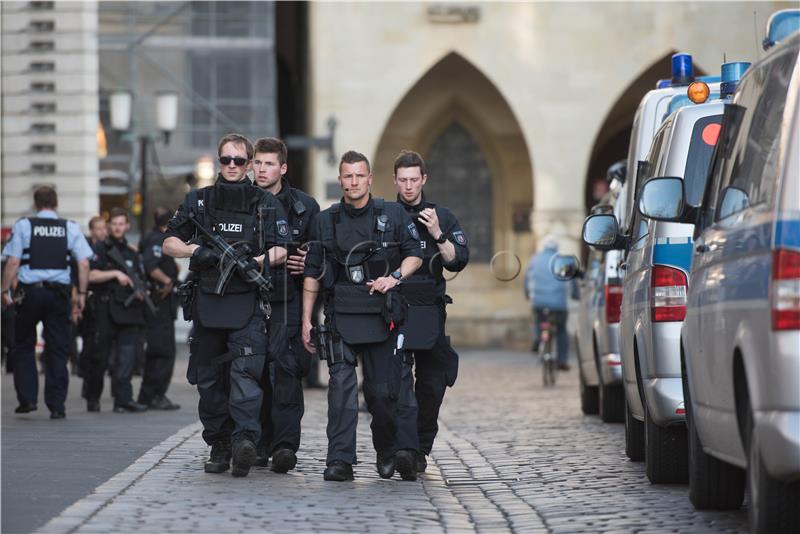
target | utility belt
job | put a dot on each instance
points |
(425, 322)
(65, 290)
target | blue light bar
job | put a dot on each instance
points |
(781, 25)
(663, 83)
(682, 72)
(731, 74)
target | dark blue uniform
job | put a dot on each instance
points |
(42, 244)
(228, 347)
(435, 360)
(117, 324)
(353, 248)
(160, 326)
(283, 407)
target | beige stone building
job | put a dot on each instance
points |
(518, 108)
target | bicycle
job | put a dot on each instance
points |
(546, 352)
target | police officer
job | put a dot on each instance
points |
(116, 279)
(37, 258)
(366, 248)
(230, 311)
(85, 319)
(444, 246)
(160, 326)
(282, 409)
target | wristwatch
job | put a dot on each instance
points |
(397, 275)
(442, 239)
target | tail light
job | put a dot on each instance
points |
(669, 294)
(613, 302)
(785, 291)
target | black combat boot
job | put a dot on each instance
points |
(422, 463)
(385, 467)
(219, 460)
(283, 460)
(406, 463)
(338, 471)
(244, 456)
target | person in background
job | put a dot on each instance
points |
(546, 293)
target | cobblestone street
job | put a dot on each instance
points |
(510, 455)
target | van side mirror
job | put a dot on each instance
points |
(663, 199)
(601, 231)
(565, 267)
(734, 200)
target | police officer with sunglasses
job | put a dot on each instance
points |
(231, 335)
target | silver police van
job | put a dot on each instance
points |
(741, 338)
(654, 293)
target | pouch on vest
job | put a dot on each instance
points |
(424, 319)
(230, 311)
(133, 314)
(359, 315)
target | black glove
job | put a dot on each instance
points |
(203, 259)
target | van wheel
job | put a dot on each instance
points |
(713, 484)
(612, 403)
(666, 458)
(634, 436)
(588, 396)
(773, 505)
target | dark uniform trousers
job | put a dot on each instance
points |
(107, 336)
(387, 390)
(159, 361)
(283, 406)
(436, 369)
(52, 308)
(230, 393)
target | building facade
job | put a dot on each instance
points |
(518, 107)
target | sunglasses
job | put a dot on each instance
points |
(226, 160)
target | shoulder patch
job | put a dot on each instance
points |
(460, 237)
(412, 229)
(157, 251)
(283, 227)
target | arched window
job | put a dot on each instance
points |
(459, 178)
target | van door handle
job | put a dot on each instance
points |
(701, 248)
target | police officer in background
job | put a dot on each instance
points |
(160, 326)
(37, 258)
(119, 316)
(230, 311)
(282, 409)
(444, 246)
(366, 248)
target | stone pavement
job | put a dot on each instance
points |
(511, 456)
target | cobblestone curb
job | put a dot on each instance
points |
(82, 511)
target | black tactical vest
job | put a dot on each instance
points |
(48, 248)
(231, 213)
(362, 257)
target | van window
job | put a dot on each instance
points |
(647, 171)
(701, 147)
(752, 165)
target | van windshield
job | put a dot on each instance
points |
(701, 147)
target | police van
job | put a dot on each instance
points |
(654, 289)
(741, 338)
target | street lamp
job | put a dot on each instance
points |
(121, 104)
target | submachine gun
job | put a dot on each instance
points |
(233, 259)
(139, 286)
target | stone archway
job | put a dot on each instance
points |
(613, 137)
(479, 167)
